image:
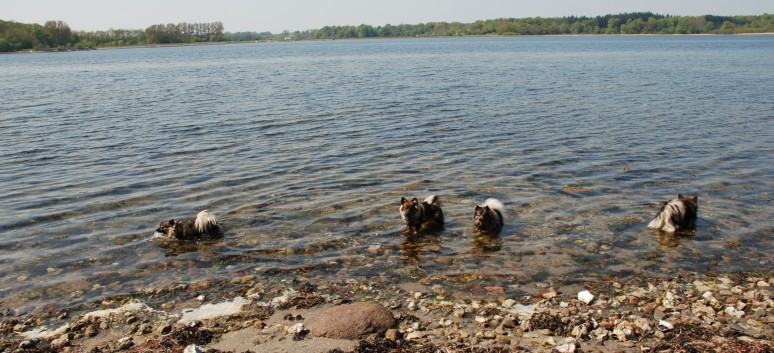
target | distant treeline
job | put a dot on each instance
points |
(629, 23)
(58, 35)
(16, 36)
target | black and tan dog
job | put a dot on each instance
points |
(205, 226)
(426, 215)
(677, 214)
(488, 218)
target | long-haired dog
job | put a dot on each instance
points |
(488, 218)
(205, 226)
(420, 216)
(677, 214)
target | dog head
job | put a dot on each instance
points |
(168, 227)
(483, 218)
(689, 200)
(409, 210)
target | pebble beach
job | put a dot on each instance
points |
(687, 313)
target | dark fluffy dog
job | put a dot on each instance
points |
(676, 214)
(425, 215)
(488, 217)
(205, 226)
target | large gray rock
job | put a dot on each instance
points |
(352, 321)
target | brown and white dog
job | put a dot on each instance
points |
(488, 218)
(205, 226)
(677, 214)
(426, 215)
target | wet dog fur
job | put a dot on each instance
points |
(676, 214)
(488, 218)
(204, 226)
(419, 216)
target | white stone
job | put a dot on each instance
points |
(707, 295)
(585, 296)
(666, 324)
(509, 303)
(208, 311)
(296, 329)
(567, 345)
(416, 335)
(192, 349)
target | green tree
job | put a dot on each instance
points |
(58, 33)
(613, 26)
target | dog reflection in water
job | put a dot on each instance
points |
(204, 226)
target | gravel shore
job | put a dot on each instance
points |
(687, 313)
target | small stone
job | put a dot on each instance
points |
(192, 349)
(297, 329)
(392, 334)
(503, 340)
(90, 331)
(509, 303)
(459, 312)
(164, 329)
(666, 325)
(567, 345)
(550, 294)
(763, 284)
(125, 343)
(497, 290)
(508, 323)
(145, 328)
(445, 321)
(549, 341)
(60, 342)
(27, 344)
(585, 296)
(707, 295)
(416, 335)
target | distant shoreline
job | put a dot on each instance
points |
(168, 45)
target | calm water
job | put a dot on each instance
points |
(304, 150)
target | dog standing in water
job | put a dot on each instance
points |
(677, 214)
(488, 217)
(205, 226)
(426, 215)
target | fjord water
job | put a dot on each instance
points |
(303, 150)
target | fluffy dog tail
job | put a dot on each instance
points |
(433, 200)
(663, 219)
(494, 204)
(205, 220)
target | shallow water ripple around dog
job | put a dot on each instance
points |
(304, 149)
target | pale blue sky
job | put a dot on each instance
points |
(278, 15)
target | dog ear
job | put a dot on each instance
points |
(171, 222)
(696, 200)
(478, 208)
(414, 201)
(402, 200)
(679, 196)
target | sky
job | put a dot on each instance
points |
(278, 15)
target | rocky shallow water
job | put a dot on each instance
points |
(687, 313)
